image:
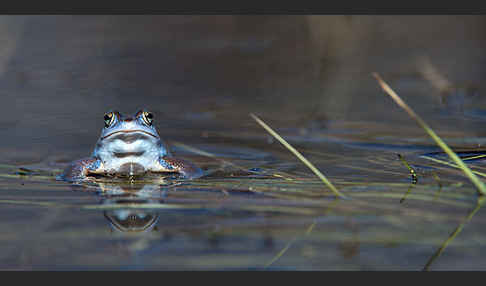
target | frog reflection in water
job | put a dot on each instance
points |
(129, 146)
(131, 219)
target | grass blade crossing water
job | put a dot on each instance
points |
(297, 153)
(480, 186)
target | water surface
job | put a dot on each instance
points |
(259, 207)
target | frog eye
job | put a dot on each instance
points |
(147, 117)
(109, 119)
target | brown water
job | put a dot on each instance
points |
(260, 208)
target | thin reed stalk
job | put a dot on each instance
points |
(480, 186)
(298, 155)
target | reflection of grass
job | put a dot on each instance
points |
(453, 235)
(481, 187)
(407, 193)
(298, 155)
(289, 244)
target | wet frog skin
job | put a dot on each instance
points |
(129, 146)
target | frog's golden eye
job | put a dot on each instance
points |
(109, 119)
(147, 117)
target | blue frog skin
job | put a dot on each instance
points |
(129, 146)
(130, 219)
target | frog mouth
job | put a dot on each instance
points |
(128, 154)
(129, 132)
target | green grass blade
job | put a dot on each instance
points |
(298, 155)
(413, 173)
(480, 186)
(451, 165)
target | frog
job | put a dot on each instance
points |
(129, 146)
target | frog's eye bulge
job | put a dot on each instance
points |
(109, 119)
(147, 117)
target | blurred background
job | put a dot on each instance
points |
(59, 74)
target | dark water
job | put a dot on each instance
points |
(260, 208)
